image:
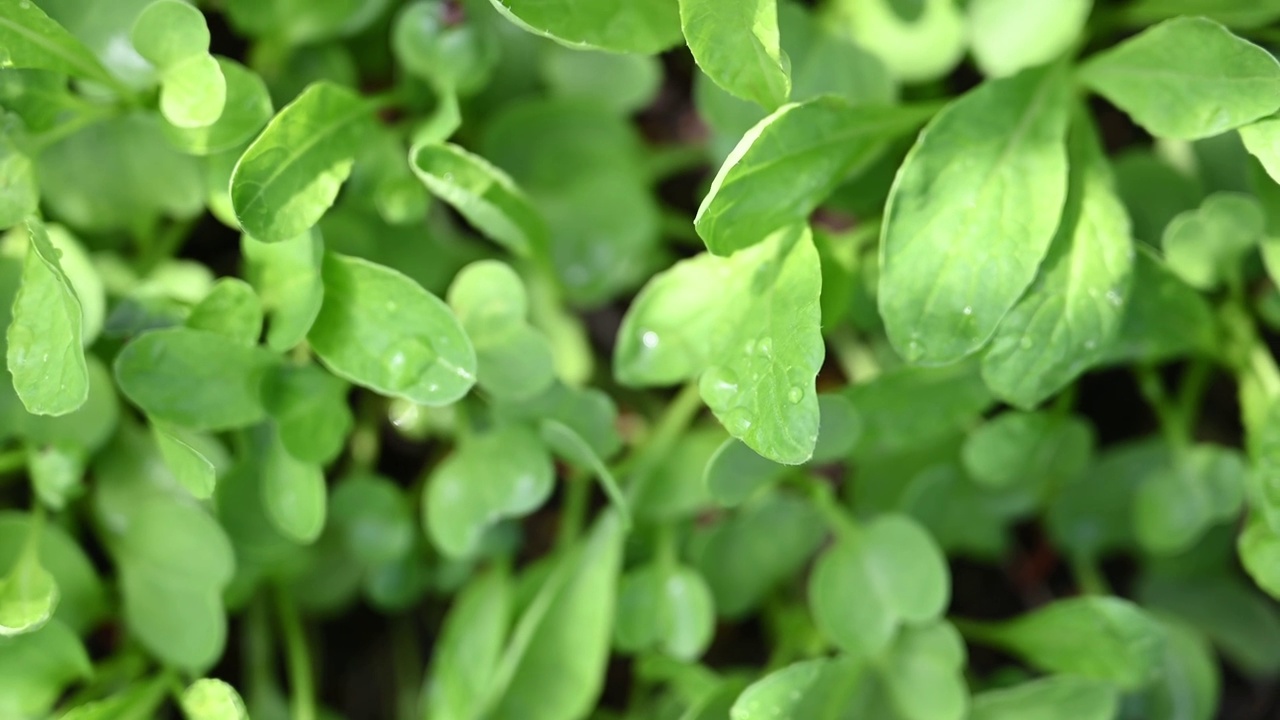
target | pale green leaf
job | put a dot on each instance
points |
(19, 195)
(1187, 78)
(1074, 309)
(381, 330)
(28, 592)
(168, 32)
(1206, 246)
(914, 50)
(31, 39)
(212, 699)
(290, 175)
(483, 194)
(246, 109)
(1011, 35)
(193, 92)
(639, 26)
(45, 352)
(788, 164)
(186, 462)
(664, 607)
(1058, 697)
(735, 42)
(469, 648)
(971, 214)
(36, 668)
(749, 325)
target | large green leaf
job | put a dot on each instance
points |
(194, 378)
(972, 213)
(381, 330)
(291, 173)
(1187, 78)
(1073, 310)
(788, 164)
(749, 326)
(735, 42)
(31, 39)
(554, 664)
(45, 352)
(640, 26)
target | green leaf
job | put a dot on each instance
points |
(1164, 318)
(824, 689)
(1009, 36)
(572, 447)
(1206, 246)
(310, 410)
(736, 471)
(763, 543)
(642, 26)
(1058, 697)
(247, 108)
(972, 213)
(664, 607)
(303, 22)
(291, 173)
(294, 494)
(287, 276)
(588, 412)
(194, 378)
(30, 39)
(1094, 514)
(514, 359)
(482, 193)
(1259, 547)
(57, 474)
(750, 326)
(623, 83)
(45, 351)
(915, 50)
(1038, 449)
(736, 45)
(929, 656)
(1224, 609)
(1105, 638)
(193, 92)
(676, 486)
(1244, 14)
(788, 164)
(504, 473)
(168, 32)
(455, 57)
(212, 699)
(1074, 309)
(230, 309)
(1262, 140)
(469, 648)
(1175, 505)
(188, 464)
(28, 592)
(374, 518)
(1187, 78)
(1190, 682)
(82, 599)
(19, 195)
(876, 579)
(554, 664)
(888, 406)
(36, 668)
(381, 330)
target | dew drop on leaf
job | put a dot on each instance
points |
(1026, 343)
(649, 339)
(765, 346)
(719, 387)
(795, 394)
(738, 421)
(408, 360)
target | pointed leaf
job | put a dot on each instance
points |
(972, 213)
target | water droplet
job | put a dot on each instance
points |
(24, 5)
(750, 347)
(719, 387)
(795, 395)
(764, 346)
(914, 350)
(1026, 343)
(1090, 344)
(447, 177)
(649, 339)
(407, 360)
(1114, 298)
(737, 421)
(391, 306)
(968, 310)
